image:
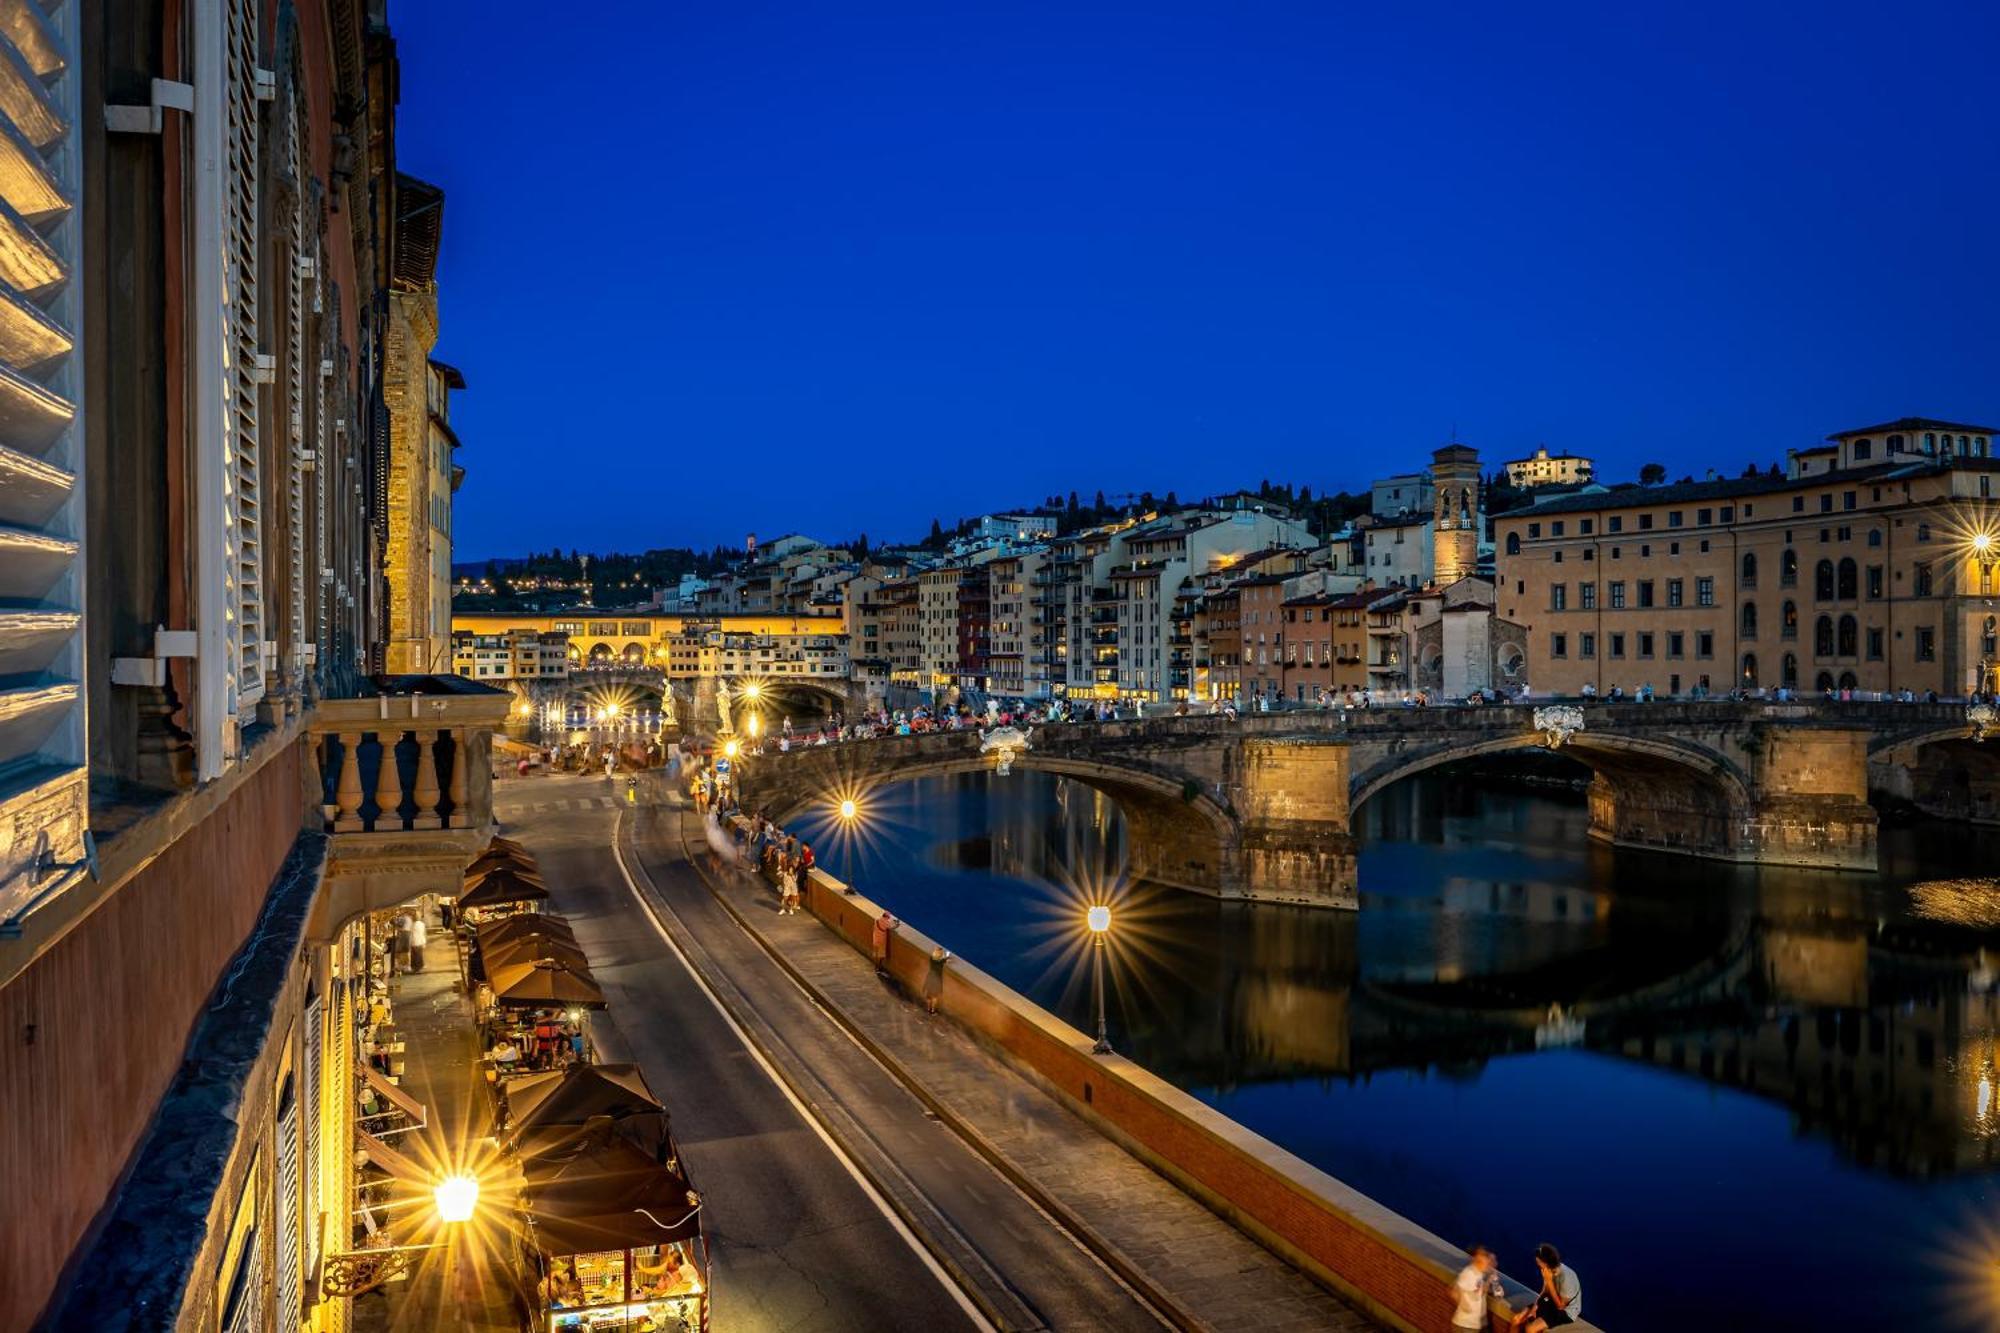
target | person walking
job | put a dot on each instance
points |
(1477, 1285)
(419, 936)
(1560, 1300)
(399, 943)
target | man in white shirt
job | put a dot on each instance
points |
(1477, 1284)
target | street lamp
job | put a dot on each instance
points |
(456, 1197)
(1098, 919)
(848, 812)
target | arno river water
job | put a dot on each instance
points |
(1735, 1099)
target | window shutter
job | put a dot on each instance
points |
(289, 1205)
(242, 376)
(311, 1187)
(42, 741)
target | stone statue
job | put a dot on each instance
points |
(1984, 719)
(722, 708)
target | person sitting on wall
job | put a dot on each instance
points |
(1560, 1300)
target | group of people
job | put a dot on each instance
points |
(1559, 1300)
(779, 855)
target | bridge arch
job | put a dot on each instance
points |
(1178, 833)
(1646, 791)
(1943, 771)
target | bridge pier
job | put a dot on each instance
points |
(1296, 842)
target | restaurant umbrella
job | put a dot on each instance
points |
(549, 1114)
(531, 948)
(525, 923)
(496, 888)
(498, 860)
(505, 843)
(609, 1197)
(544, 982)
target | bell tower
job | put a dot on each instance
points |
(1457, 522)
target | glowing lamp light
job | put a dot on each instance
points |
(752, 690)
(456, 1197)
(1982, 542)
(729, 749)
(847, 810)
(611, 710)
(1099, 919)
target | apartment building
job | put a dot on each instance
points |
(1015, 650)
(974, 630)
(1869, 566)
(937, 607)
(515, 654)
(204, 224)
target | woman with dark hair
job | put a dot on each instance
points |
(1560, 1300)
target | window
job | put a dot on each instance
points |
(1534, 531)
(1558, 596)
(1789, 672)
(1618, 645)
(1788, 621)
(1673, 548)
(1846, 647)
(1823, 581)
(1703, 517)
(1750, 670)
(1749, 569)
(1558, 645)
(1823, 637)
(1617, 594)
(1874, 643)
(1749, 619)
(1645, 522)
(1788, 568)
(1676, 644)
(1513, 543)
(1645, 592)
(1798, 504)
(1559, 557)
(1926, 644)
(1586, 645)
(1674, 519)
(1556, 528)
(1923, 532)
(1848, 580)
(1923, 581)
(1704, 643)
(1645, 645)
(1704, 592)
(1587, 596)
(1874, 536)
(1673, 593)
(1615, 523)
(1586, 526)
(1590, 553)
(1826, 503)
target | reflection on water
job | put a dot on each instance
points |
(1666, 1065)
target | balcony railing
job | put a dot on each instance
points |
(413, 758)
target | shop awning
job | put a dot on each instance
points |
(544, 981)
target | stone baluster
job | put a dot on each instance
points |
(347, 792)
(461, 765)
(427, 781)
(388, 784)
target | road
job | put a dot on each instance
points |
(799, 1240)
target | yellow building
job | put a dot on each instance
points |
(1541, 468)
(685, 647)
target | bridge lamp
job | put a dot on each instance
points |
(1098, 918)
(752, 690)
(848, 812)
(729, 749)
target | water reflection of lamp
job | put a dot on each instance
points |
(1098, 919)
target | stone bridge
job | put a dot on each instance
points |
(694, 700)
(1263, 807)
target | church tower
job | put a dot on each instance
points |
(1457, 522)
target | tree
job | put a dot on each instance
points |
(1750, 470)
(1652, 474)
(1098, 504)
(937, 533)
(1173, 501)
(1073, 506)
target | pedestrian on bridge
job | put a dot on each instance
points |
(885, 926)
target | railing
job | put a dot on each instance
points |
(414, 758)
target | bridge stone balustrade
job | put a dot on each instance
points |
(1262, 807)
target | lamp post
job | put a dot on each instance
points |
(848, 812)
(1099, 921)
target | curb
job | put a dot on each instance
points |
(1164, 1305)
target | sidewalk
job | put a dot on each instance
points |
(1214, 1272)
(456, 1288)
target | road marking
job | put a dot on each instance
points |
(889, 1215)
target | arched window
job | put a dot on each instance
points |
(1850, 636)
(1823, 581)
(1749, 620)
(1895, 444)
(1823, 682)
(1850, 579)
(1874, 536)
(1789, 672)
(1789, 620)
(1823, 637)
(1749, 569)
(1750, 670)
(1848, 681)
(1513, 543)
(1930, 441)
(1788, 568)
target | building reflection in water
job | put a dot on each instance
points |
(1867, 1006)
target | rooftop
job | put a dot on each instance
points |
(1915, 423)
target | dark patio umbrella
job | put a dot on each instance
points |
(612, 1197)
(544, 981)
(496, 888)
(525, 923)
(530, 949)
(494, 858)
(547, 1113)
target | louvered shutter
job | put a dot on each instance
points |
(312, 1188)
(243, 367)
(290, 1202)
(41, 440)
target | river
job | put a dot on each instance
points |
(1734, 1098)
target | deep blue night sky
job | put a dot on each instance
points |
(836, 268)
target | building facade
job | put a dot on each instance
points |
(1863, 574)
(1541, 468)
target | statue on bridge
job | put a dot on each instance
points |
(1009, 742)
(1984, 719)
(728, 727)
